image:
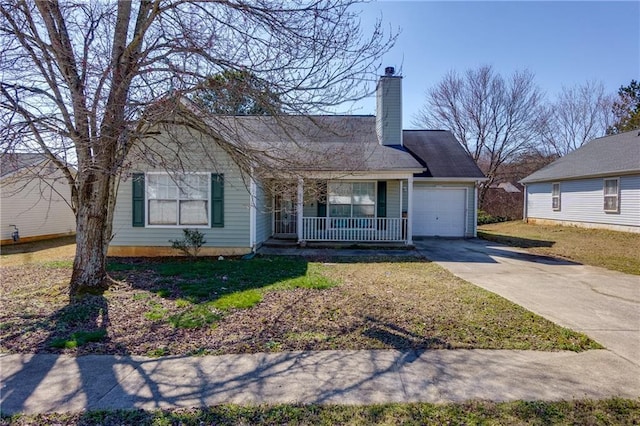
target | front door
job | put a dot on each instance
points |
(285, 216)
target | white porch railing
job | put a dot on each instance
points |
(353, 229)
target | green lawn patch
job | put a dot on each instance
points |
(613, 250)
(79, 338)
(614, 411)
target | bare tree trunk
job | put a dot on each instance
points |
(482, 193)
(89, 267)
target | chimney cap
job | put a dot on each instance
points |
(389, 71)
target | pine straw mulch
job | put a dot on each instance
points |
(377, 304)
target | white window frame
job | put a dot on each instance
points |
(174, 177)
(558, 196)
(333, 219)
(616, 195)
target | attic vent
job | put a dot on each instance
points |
(389, 71)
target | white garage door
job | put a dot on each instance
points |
(439, 212)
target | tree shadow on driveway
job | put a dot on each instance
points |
(480, 251)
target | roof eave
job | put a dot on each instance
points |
(451, 179)
(580, 177)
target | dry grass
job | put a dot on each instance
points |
(614, 411)
(170, 306)
(39, 251)
(618, 251)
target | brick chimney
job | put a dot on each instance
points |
(389, 108)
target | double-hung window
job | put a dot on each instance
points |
(351, 200)
(612, 195)
(555, 196)
(180, 199)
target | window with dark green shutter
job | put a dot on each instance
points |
(138, 199)
(322, 204)
(217, 200)
(382, 199)
(382, 204)
(322, 199)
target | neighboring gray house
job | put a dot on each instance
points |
(596, 186)
(353, 179)
(34, 199)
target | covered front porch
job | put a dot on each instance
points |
(353, 210)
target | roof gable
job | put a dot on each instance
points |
(609, 155)
(441, 153)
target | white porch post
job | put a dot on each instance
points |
(475, 210)
(401, 183)
(253, 205)
(410, 210)
(299, 208)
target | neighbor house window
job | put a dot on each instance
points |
(612, 195)
(180, 200)
(555, 196)
(352, 199)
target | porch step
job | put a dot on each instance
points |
(281, 243)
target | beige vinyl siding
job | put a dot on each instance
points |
(38, 207)
(198, 154)
(583, 201)
(470, 218)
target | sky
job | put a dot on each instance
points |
(562, 43)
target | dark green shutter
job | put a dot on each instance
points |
(382, 199)
(217, 201)
(138, 200)
(322, 199)
(322, 203)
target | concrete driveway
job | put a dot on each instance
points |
(603, 304)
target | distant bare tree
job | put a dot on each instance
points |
(580, 114)
(495, 118)
(78, 79)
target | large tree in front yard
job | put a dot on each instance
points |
(78, 78)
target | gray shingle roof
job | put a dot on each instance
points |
(11, 163)
(315, 143)
(441, 153)
(606, 156)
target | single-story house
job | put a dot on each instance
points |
(319, 179)
(595, 186)
(34, 199)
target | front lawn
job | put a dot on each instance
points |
(606, 412)
(176, 306)
(613, 250)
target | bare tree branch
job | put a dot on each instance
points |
(80, 81)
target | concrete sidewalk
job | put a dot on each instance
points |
(56, 383)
